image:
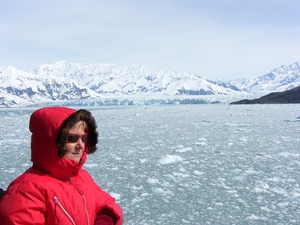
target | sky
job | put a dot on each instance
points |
(216, 39)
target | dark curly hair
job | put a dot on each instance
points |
(80, 115)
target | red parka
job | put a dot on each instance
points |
(54, 191)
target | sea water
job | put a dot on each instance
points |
(185, 164)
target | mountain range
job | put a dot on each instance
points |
(97, 84)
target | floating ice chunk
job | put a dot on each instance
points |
(12, 170)
(170, 177)
(257, 190)
(263, 185)
(202, 143)
(251, 171)
(184, 149)
(233, 193)
(198, 173)
(162, 191)
(273, 179)
(115, 195)
(244, 139)
(279, 190)
(114, 168)
(230, 143)
(179, 146)
(264, 208)
(168, 159)
(219, 204)
(159, 191)
(236, 170)
(240, 178)
(143, 160)
(181, 169)
(229, 124)
(283, 204)
(152, 181)
(253, 217)
(199, 122)
(184, 175)
(25, 165)
(185, 221)
(295, 195)
(202, 139)
(90, 165)
(135, 200)
(287, 154)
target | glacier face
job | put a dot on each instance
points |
(97, 84)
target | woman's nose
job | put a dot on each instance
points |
(80, 143)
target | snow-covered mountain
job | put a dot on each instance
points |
(281, 79)
(65, 81)
(134, 80)
(19, 88)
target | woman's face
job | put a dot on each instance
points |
(74, 148)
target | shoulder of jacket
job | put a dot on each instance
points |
(33, 179)
(84, 174)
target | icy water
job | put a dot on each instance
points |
(186, 164)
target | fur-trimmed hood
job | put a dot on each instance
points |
(49, 123)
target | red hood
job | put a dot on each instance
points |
(44, 125)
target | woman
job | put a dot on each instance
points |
(56, 190)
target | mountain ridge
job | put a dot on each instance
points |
(65, 81)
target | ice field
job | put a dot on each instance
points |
(185, 164)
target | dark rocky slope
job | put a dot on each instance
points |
(290, 96)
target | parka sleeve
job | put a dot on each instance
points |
(104, 201)
(22, 204)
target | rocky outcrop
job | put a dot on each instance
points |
(290, 96)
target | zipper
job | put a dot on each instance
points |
(84, 200)
(63, 209)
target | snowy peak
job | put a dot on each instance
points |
(10, 76)
(283, 70)
(280, 79)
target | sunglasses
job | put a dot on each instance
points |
(72, 138)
